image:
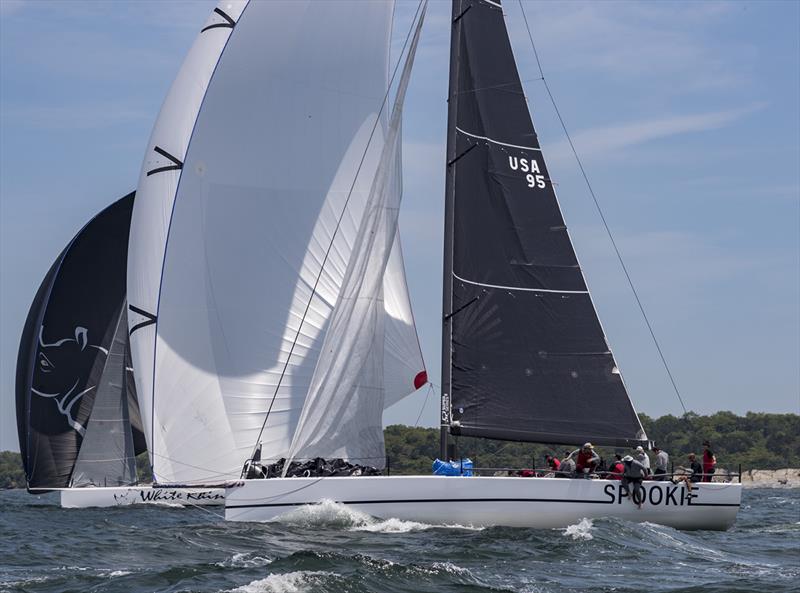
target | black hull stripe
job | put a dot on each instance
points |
(451, 500)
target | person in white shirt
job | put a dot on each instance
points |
(661, 463)
(642, 458)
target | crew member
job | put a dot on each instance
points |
(617, 468)
(709, 462)
(642, 458)
(662, 463)
(552, 462)
(634, 473)
(586, 460)
(567, 466)
(695, 468)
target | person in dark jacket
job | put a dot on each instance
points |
(695, 468)
(634, 473)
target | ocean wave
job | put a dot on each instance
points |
(328, 513)
(582, 530)
(290, 582)
(115, 573)
(244, 560)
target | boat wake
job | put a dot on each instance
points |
(336, 515)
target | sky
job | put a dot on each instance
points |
(686, 117)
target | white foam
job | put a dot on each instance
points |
(333, 514)
(290, 582)
(581, 530)
(392, 526)
(116, 573)
(450, 568)
(326, 513)
(244, 560)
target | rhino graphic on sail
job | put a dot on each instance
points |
(61, 367)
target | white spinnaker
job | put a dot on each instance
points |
(403, 366)
(280, 135)
(156, 190)
(342, 414)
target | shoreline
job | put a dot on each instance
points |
(771, 478)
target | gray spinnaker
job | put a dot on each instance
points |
(72, 346)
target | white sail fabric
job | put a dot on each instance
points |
(155, 195)
(342, 414)
(403, 366)
(276, 147)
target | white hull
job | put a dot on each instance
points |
(78, 498)
(484, 501)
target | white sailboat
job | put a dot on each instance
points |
(265, 267)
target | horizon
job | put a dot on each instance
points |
(689, 131)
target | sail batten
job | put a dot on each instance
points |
(524, 355)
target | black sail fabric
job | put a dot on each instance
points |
(65, 345)
(529, 360)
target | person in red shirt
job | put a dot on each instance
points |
(552, 462)
(586, 460)
(709, 461)
(617, 468)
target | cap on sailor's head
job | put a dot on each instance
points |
(627, 458)
(639, 449)
(588, 446)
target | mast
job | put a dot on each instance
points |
(449, 199)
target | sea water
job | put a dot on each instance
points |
(330, 548)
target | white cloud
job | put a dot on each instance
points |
(641, 41)
(619, 136)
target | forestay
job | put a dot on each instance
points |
(342, 415)
(264, 174)
(525, 357)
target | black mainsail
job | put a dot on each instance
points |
(524, 355)
(77, 413)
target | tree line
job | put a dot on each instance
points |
(755, 440)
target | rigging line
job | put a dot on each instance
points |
(338, 224)
(602, 216)
(425, 403)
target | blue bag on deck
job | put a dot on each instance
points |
(452, 468)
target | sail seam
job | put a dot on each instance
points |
(520, 287)
(497, 141)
